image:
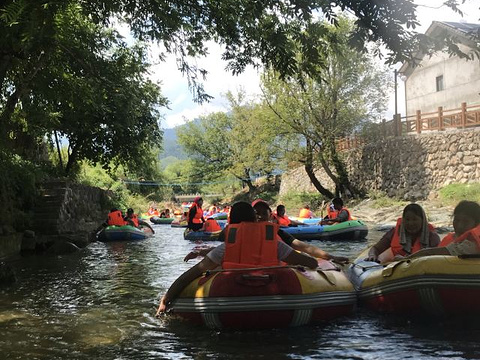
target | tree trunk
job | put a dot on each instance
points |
(72, 159)
(344, 187)
(248, 181)
(311, 173)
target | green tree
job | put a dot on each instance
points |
(93, 91)
(350, 89)
(241, 142)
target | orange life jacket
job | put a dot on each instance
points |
(211, 225)
(282, 220)
(251, 245)
(134, 219)
(331, 213)
(115, 218)
(212, 210)
(448, 239)
(397, 248)
(472, 235)
(197, 219)
(305, 214)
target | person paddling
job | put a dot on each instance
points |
(240, 250)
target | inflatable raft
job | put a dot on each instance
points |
(266, 297)
(437, 285)
(123, 233)
(159, 220)
(312, 221)
(179, 224)
(219, 216)
(348, 230)
(201, 235)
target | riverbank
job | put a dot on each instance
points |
(368, 210)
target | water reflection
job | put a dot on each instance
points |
(100, 304)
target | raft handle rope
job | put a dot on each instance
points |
(297, 267)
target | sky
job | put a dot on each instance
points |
(182, 107)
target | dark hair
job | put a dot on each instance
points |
(468, 208)
(242, 211)
(413, 208)
(337, 201)
(280, 208)
(113, 209)
(129, 210)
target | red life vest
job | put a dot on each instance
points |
(115, 218)
(448, 239)
(251, 245)
(211, 225)
(282, 220)
(397, 248)
(197, 218)
(471, 235)
(134, 219)
(331, 213)
(305, 214)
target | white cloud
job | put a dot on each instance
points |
(219, 81)
(191, 113)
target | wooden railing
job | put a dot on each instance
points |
(463, 117)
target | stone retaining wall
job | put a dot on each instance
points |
(410, 166)
(64, 214)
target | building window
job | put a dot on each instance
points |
(439, 82)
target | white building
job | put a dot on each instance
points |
(441, 79)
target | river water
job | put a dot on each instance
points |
(100, 303)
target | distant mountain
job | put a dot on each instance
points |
(171, 148)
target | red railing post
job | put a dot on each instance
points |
(464, 115)
(419, 121)
(440, 118)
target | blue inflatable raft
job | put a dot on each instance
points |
(123, 233)
(348, 230)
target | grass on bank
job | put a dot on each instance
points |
(382, 200)
(454, 193)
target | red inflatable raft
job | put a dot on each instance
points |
(266, 297)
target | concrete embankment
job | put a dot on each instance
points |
(63, 217)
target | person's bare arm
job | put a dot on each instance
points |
(197, 253)
(382, 245)
(296, 258)
(182, 281)
(317, 252)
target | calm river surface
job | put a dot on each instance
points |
(100, 303)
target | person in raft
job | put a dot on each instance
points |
(195, 215)
(211, 225)
(411, 234)
(132, 219)
(338, 215)
(248, 244)
(264, 213)
(282, 219)
(306, 213)
(463, 241)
